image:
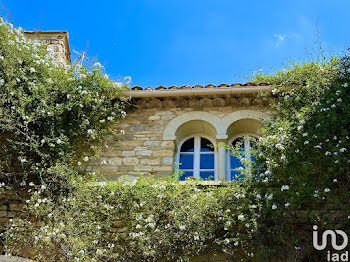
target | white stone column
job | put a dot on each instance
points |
(221, 145)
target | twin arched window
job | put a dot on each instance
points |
(197, 158)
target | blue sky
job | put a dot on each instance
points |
(177, 42)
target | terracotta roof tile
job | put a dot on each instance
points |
(224, 85)
(172, 87)
(198, 86)
(185, 86)
(137, 88)
(160, 88)
(210, 86)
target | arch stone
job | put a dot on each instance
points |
(239, 115)
(174, 124)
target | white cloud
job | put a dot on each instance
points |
(280, 38)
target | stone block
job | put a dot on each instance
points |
(154, 118)
(169, 144)
(151, 143)
(144, 152)
(163, 153)
(131, 143)
(150, 162)
(168, 160)
(126, 168)
(3, 213)
(162, 168)
(115, 161)
(131, 161)
(128, 153)
(3, 207)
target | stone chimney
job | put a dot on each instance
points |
(56, 42)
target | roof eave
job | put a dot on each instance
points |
(191, 92)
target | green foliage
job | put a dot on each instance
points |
(48, 114)
(304, 155)
(143, 220)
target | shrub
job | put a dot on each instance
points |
(304, 156)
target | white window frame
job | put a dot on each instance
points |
(196, 156)
(247, 151)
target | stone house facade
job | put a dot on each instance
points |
(176, 128)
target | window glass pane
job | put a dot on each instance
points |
(185, 174)
(207, 161)
(188, 146)
(207, 175)
(235, 163)
(236, 175)
(206, 145)
(186, 161)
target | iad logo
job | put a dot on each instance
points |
(333, 236)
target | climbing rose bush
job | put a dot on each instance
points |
(143, 220)
(304, 160)
(49, 115)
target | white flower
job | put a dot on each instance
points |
(274, 91)
(342, 150)
(270, 196)
(110, 118)
(339, 100)
(328, 153)
(326, 190)
(240, 217)
(79, 163)
(258, 196)
(102, 120)
(305, 134)
(306, 142)
(31, 184)
(89, 131)
(284, 187)
(287, 204)
(97, 64)
(196, 237)
(182, 228)
(86, 158)
(84, 92)
(227, 241)
(122, 132)
(43, 187)
(345, 85)
(32, 70)
(279, 146)
(335, 180)
(59, 141)
(274, 206)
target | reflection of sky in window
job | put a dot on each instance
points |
(185, 175)
(205, 152)
(186, 161)
(207, 175)
(207, 161)
(235, 162)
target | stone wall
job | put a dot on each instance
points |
(140, 147)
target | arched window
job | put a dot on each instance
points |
(197, 158)
(245, 147)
